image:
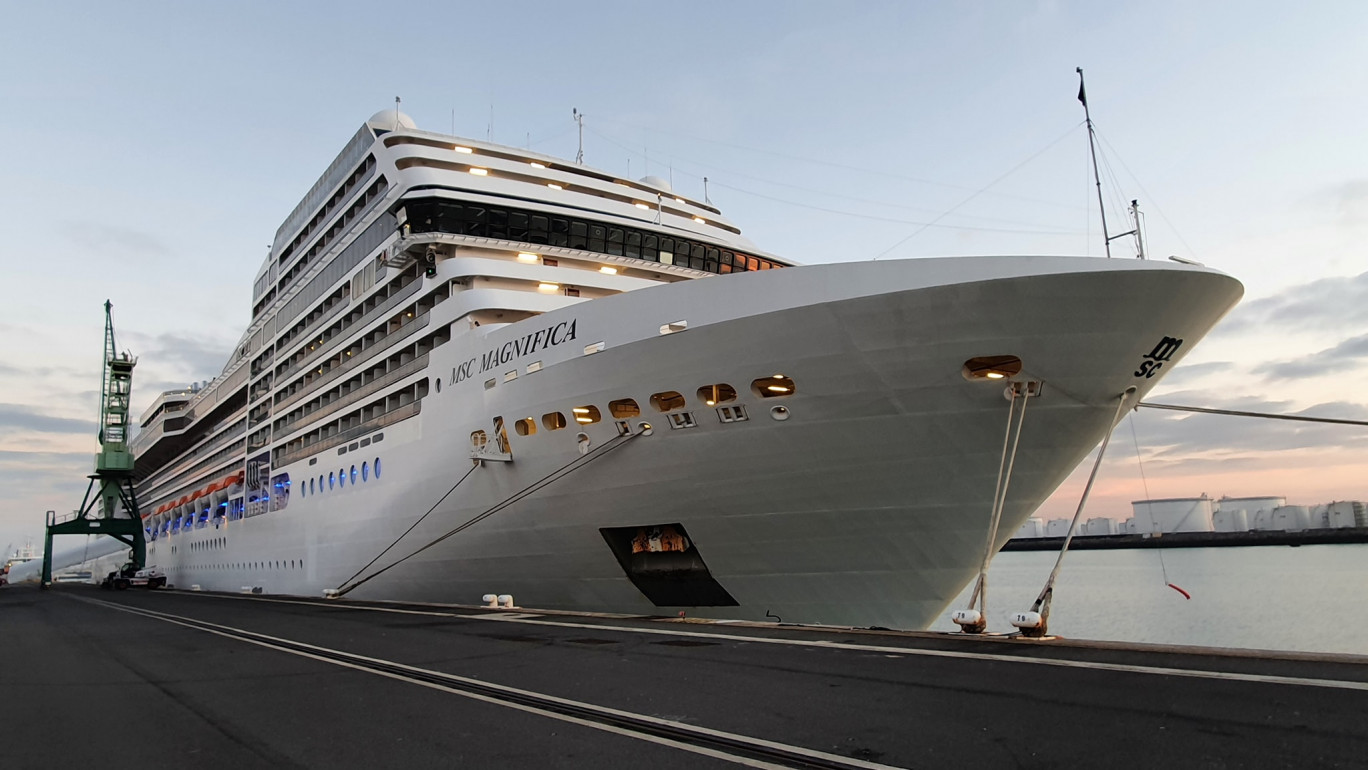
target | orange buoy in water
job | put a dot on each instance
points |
(1185, 594)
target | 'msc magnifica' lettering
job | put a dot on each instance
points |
(531, 343)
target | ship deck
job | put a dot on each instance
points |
(156, 679)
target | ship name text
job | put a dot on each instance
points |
(523, 346)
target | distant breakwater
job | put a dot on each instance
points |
(1192, 540)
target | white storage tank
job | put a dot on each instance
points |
(1226, 520)
(1032, 527)
(1099, 526)
(1126, 527)
(1250, 505)
(1057, 527)
(1291, 518)
(1344, 514)
(1178, 514)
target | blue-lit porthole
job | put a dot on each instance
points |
(331, 480)
(320, 482)
(365, 471)
(341, 477)
(353, 474)
(377, 468)
(312, 488)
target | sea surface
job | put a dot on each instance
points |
(1312, 598)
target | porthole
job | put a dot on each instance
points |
(377, 468)
(991, 368)
(779, 413)
(332, 479)
(712, 395)
(320, 482)
(353, 474)
(313, 488)
(365, 471)
(525, 427)
(553, 421)
(776, 386)
(587, 415)
(439, 384)
(624, 408)
(341, 477)
(667, 401)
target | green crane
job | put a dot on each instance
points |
(118, 514)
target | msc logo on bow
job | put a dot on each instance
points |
(1155, 359)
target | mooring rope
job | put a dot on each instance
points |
(579, 462)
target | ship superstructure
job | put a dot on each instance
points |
(472, 368)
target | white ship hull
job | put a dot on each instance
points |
(869, 505)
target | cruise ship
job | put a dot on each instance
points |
(473, 369)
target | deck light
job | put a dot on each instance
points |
(554, 186)
(479, 171)
(535, 164)
(606, 270)
(679, 200)
(527, 256)
(995, 375)
(701, 220)
(580, 410)
(465, 150)
(548, 287)
(643, 206)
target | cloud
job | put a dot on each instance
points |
(1186, 373)
(1328, 303)
(200, 358)
(17, 417)
(1187, 438)
(113, 240)
(1349, 199)
(1348, 354)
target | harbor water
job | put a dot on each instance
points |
(1311, 598)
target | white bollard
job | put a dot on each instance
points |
(490, 600)
(507, 601)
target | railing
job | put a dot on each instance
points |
(284, 458)
(309, 418)
(376, 312)
(365, 355)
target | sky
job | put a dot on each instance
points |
(152, 149)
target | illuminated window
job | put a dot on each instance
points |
(377, 468)
(586, 415)
(775, 386)
(525, 427)
(667, 401)
(341, 477)
(478, 439)
(712, 395)
(332, 479)
(353, 474)
(991, 368)
(624, 407)
(365, 471)
(553, 421)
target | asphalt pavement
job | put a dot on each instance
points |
(153, 679)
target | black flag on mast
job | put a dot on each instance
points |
(1082, 97)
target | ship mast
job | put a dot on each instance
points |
(1097, 179)
(1092, 149)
